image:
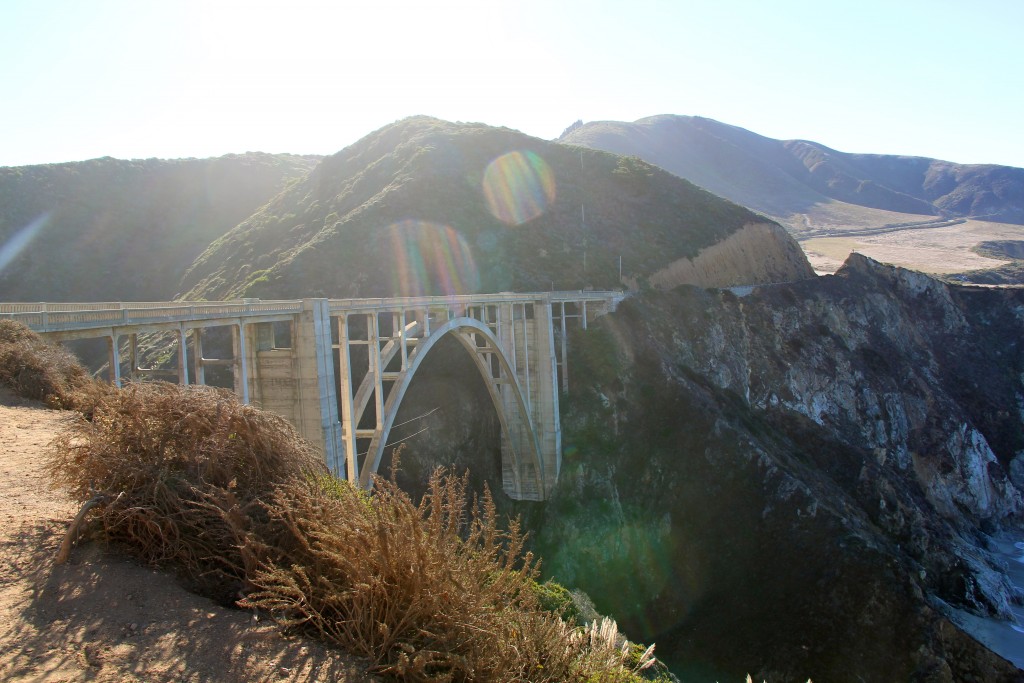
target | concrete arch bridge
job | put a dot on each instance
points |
(338, 369)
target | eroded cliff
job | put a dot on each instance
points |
(759, 253)
(797, 482)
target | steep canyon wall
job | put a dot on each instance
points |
(796, 482)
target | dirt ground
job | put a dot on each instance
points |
(938, 250)
(102, 617)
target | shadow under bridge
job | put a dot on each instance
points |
(517, 344)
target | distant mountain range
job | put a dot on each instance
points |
(787, 179)
(469, 207)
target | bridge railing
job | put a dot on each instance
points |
(58, 317)
(54, 317)
(391, 303)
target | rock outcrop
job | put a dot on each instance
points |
(798, 482)
(759, 253)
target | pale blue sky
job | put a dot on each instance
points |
(196, 78)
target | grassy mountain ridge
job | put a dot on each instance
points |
(425, 206)
(111, 229)
(785, 178)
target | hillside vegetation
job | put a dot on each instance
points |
(109, 229)
(425, 206)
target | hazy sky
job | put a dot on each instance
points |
(183, 78)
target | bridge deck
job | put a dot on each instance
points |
(87, 316)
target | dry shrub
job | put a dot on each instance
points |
(38, 370)
(428, 592)
(233, 498)
(169, 460)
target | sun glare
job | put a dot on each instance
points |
(10, 249)
(518, 187)
(431, 259)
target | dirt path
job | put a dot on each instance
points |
(103, 618)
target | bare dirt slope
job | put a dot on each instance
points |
(103, 618)
(939, 250)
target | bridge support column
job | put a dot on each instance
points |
(241, 363)
(114, 359)
(544, 390)
(348, 419)
(133, 357)
(511, 336)
(563, 343)
(255, 343)
(197, 351)
(316, 394)
(182, 356)
(298, 382)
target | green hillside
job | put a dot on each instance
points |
(425, 206)
(110, 229)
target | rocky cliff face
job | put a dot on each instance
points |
(798, 481)
(759, 253)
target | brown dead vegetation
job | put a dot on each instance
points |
(170, 462)
(429, 592)
(37, 370)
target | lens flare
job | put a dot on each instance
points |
(17, 242)
(430, 259)
(518, 187)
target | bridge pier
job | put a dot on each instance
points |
(241, 362)
(544, 398)
(318, 399)
(296, 382)
(114, 359)
(182, 355)
(199, 362)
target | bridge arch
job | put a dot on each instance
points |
(506, 395)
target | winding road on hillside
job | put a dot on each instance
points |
(880, 230)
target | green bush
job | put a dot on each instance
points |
(555, 598)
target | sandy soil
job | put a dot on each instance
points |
(101, 617)
(938, 250)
